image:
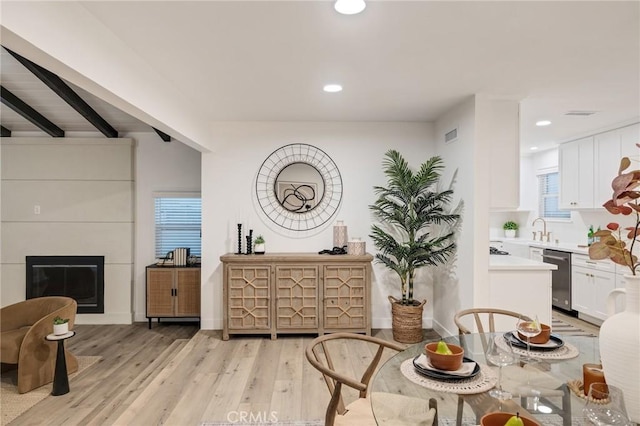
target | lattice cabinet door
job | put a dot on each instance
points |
(187, 292)
(249, 298)
(159, 292)
(345, 297)
(297, 297)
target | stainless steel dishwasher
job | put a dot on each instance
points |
(560, 278)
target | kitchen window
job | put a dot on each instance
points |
(178, 223)
(548, 197)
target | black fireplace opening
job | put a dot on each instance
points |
(78, 277)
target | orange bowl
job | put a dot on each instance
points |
(445, 362)
(499, 418)
(541, 338)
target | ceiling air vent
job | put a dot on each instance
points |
(581, 113)
(451, 135)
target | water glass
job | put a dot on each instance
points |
(605, 406)
(500, 356)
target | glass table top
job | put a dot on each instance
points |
(538, 389)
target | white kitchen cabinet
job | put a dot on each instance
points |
(591, 282)
(535, 253)
(576, 174)
(607, 162)
(527, 291)
(609, 148)
(629, 137)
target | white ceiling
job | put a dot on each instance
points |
(397, 61)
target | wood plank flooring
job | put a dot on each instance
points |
(177, 375)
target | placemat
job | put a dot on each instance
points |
(567, 351)
(484, 381)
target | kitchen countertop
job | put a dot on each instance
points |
(569, 247)
(503, 263)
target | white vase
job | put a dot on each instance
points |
(620, 346)
(259, 248)
(510, 233)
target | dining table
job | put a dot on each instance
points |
(548, 389)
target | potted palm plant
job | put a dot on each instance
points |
(408, 209)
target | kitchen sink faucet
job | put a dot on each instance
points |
(543, 234)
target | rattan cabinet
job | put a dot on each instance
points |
(173, 292)
(296, 293)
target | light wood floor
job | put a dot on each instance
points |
(177, 375)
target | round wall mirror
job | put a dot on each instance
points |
(299, 187)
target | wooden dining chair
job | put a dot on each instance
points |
(483, 318)
(402, 410)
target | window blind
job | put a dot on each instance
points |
(178, 224)
(548, 197)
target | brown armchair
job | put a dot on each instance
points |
(23, 328)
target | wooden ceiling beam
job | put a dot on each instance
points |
(19, 106)
(165, 137)
(4, 132)
(63, 90)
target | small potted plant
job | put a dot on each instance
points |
(510, 228)
(60, 326)
(258, 247)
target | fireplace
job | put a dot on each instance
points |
(78, 277)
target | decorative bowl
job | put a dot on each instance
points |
(541, 338)
(445, 362)
(499, 418)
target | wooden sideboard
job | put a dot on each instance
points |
(296, 293)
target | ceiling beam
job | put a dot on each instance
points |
(63, 90)
(19, 106)
(4, 132)
(165, 137)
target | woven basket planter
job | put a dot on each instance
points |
(406, 321)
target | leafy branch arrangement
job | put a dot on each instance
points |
(626, 192)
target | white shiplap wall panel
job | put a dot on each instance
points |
(68, 159)
(67, 201)
(85, 190)
(12, 277)
(112, 240)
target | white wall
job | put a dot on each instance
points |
(84, 192)
(356, 148)
(456, 288)
(159, 167)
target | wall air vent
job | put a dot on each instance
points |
(580, 113)
(451, 135)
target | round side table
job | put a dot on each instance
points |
(60, 377)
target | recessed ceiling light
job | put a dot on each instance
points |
(543, 123)
(332, 88)
(349, 7)
(533, 148)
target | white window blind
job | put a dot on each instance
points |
(548, 197)
(178, 224)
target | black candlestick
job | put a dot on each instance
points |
(248, 244)
(239, 238)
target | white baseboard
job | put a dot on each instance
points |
(108, 318)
